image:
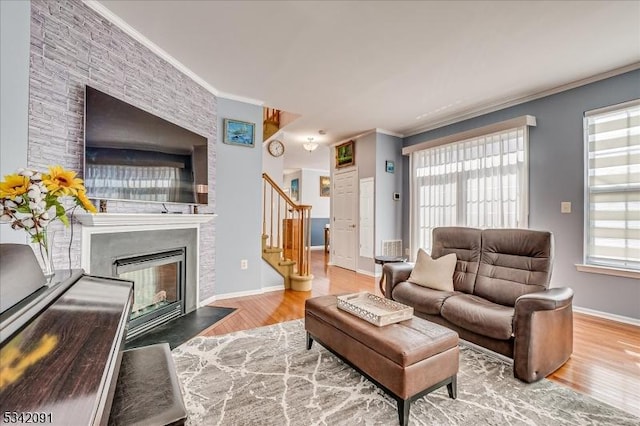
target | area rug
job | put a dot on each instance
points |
(179, 330)
(265, 376)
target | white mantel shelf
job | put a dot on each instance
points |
(136, 219)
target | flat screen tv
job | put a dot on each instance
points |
(132, 155)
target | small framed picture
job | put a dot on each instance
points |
(239, 133)
(389, 166)
(295, 189)
(345, 154)
(325, 186)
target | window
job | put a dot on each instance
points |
(480, 182)
(612, 213)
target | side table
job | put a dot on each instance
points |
(382, 260)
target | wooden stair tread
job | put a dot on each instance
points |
(272, 250)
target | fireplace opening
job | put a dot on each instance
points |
(158, 288)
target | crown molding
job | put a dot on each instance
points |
(368, 132)
(524, 120)
(389, 132)
(354, 137)
(139, 37)
(497, 106)
(120, 23)
(315, 170)
(242, 99)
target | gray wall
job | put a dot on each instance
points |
(556, 174)
(317, 231)
(273, 166)
(239, 201)
(366, 162)
(72, 45)
(372, 151)
(15, 21)
(388, 211)
(286, 183)
(310, 192)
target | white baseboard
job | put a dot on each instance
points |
(365, 272)
(241, 294)
(238, 294)
(606, 315)
(317, 247)
(206, 301)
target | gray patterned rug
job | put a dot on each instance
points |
(265, 376)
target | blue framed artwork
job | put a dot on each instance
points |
(238, 132)
(295, 189)
(389, 166)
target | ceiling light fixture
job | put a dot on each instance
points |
(310, 146)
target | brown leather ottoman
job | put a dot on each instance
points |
(407, 360)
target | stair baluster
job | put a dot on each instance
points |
(286, 236)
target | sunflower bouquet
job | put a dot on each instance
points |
(31, 200)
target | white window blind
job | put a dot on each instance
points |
(480, 182)
(612, 222)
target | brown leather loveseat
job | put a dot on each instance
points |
(501, 298)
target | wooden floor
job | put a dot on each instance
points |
(606, 355)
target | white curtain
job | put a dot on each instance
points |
(156, 183)
(480, 182)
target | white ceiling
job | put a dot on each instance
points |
(350, 66)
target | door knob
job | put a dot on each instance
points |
(353, 226)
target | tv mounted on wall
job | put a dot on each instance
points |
(133, 155)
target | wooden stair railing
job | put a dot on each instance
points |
(270, 121)
(286, 236)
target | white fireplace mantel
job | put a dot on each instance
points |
(137, 219)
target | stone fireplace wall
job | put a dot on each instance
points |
(72, 45)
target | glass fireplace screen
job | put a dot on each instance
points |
(154, 287)
(158, 286)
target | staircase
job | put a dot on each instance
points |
(270, 122)
(286, 236)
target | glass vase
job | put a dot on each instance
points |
(45, 248)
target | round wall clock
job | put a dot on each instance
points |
(276, 148)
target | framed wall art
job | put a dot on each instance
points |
(389, 166)
(346, 154)
(325, 186)
(238, 132)
(295, 189)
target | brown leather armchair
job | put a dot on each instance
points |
(501, 298)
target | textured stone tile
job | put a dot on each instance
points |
(71, 45)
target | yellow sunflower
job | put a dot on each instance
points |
(13, 186)
(85, 203)
(61, 181)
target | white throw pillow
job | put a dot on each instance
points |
(436, 274)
